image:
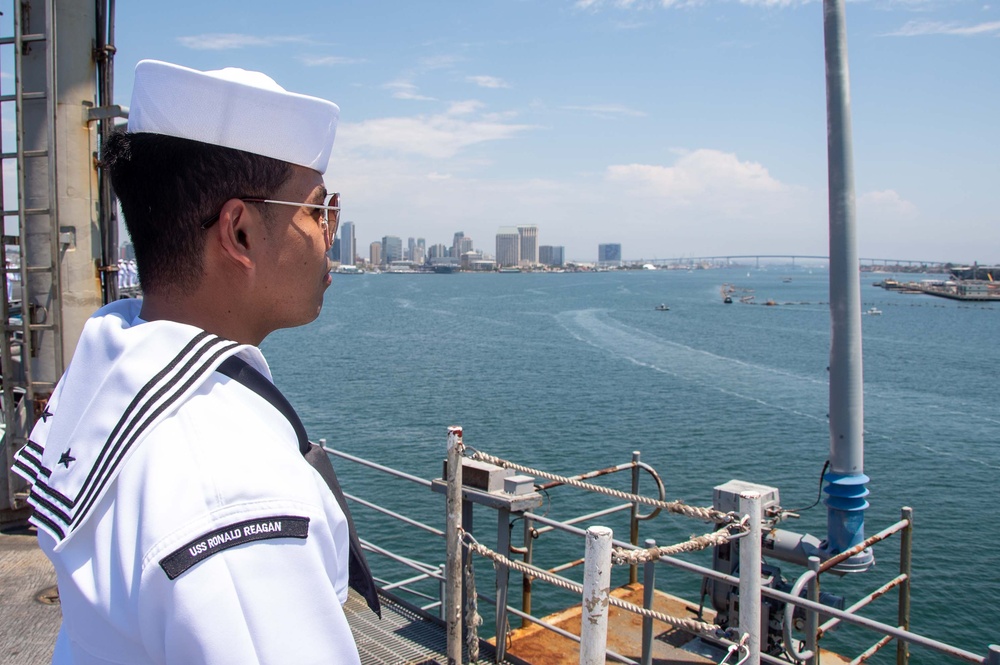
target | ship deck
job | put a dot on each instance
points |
(30, 617)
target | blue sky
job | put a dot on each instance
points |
(677, 128)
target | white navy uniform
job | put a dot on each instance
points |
(183, 522)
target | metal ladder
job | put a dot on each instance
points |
(22, 391)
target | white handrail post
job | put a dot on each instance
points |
(453, 600)
(596, 596)
(750, 560)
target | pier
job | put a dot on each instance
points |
(964, 290)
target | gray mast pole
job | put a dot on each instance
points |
(846, 489)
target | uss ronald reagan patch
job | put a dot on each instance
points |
(247, 531)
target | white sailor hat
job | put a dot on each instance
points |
(234, 108)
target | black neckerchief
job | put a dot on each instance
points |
(359, 576)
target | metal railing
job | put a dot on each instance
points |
(799, 649)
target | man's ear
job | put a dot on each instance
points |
(236, 231)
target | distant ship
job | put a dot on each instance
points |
(989, 273)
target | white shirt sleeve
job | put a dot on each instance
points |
(267, 601)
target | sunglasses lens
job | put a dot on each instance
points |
(334, 215)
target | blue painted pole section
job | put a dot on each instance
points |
(846, 490)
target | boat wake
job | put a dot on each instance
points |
(801, 396)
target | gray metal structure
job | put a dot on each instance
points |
(846, 490)
(53, 235)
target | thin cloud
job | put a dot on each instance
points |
(439, 136)
(223, 41)
(464, 107)
(406, 90)
(439, 62)
(607, 110)
(487, 81)
(922, 28)
(887, 201)
(328, 60)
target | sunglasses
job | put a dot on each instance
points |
(330, 212)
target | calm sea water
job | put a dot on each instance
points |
(572, 372)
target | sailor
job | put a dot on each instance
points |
(183, 522)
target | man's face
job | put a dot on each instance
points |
(294, 271)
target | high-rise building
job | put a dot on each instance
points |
(456, 244)
(375, 253)
(437, 251)
(392, 249)
(609, 254)
(411, 248)
(348, 248)
(508, 247)
(529, 244)
(552, 255)
(464, 246)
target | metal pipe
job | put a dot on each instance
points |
(588, 517)
(374, 465)
(872, 650)
(648, 586)
(596, 596)
(411, 563)
(403, 583)
(846, 489)
(905, 568)
(847, 554)
(502, 580)
(633, 533)
(398, 516)
(107, 209)
(874, 595)
(566, 566)
(587, 476)
(453, 599)
(812, 618)
(786, 623)
(750, 560)
(529, 547)
(443, 592)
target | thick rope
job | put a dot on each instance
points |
(677, 507)
(624, 556)
(689, 625)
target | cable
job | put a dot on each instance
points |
(819, 495)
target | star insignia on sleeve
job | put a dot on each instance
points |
(66, 458)
(45, 415)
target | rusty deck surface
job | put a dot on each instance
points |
(671, 646)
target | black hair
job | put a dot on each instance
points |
(168, 187)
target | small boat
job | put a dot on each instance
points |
(728, 300)
(662, 308)
(786, 280)
(873, 311)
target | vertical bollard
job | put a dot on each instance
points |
(453, 609)
(648, 585)
(529, 546)
(812, 618)
(905, 568)
(750, 576)
(443, 592)
(596, 593)
(633, 535)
